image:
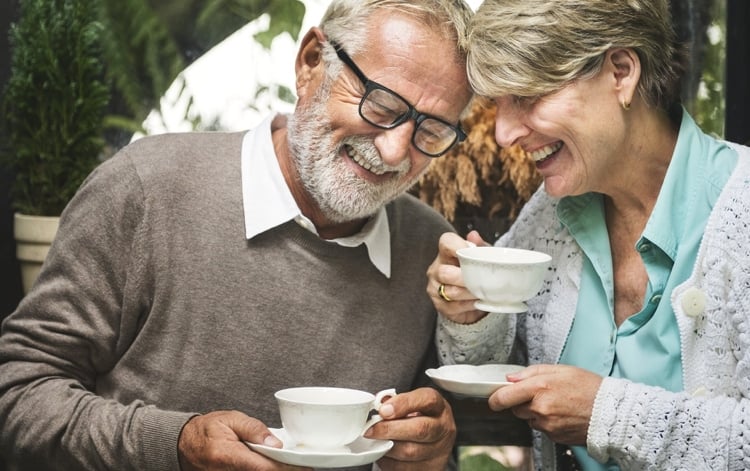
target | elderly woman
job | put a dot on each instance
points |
(639, 341)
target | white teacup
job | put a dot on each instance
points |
(502, 278)
(328, 418)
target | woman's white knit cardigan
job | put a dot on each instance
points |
(706, 427)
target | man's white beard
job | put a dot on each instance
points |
(340, 194)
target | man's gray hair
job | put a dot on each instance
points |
(346, 22)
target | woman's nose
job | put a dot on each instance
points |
(509, 126)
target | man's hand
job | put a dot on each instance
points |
(216, 441)
(421, 425)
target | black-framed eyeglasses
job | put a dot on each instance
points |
(386, 109)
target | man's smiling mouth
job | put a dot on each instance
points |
(351, 152)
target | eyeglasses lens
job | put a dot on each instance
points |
(382, 108)
(434, 137)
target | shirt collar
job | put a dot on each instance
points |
(681, 199)
(268, 202)
(692, 183)
(377, 239)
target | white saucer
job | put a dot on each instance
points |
(472, 380)
(360, 452)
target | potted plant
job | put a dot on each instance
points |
(53, 110)
(84, 75)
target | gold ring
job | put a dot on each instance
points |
(441, 292)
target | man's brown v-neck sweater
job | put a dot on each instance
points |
(154, 306)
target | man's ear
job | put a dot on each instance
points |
(627, 72)
(309, 66)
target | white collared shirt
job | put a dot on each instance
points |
(268, 202)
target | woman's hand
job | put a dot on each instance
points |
(554, 399)
(445, 284)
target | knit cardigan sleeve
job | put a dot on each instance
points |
(72, 328)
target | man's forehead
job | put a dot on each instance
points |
(399, 49)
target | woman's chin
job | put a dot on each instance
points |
(555, 187)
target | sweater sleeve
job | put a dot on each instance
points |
(72, 328)
(646, 428)
(490, 340)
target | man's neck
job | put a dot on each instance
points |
(334, 231)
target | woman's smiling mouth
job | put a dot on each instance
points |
(540, 155)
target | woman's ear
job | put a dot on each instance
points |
(309, 63)
(627, 72)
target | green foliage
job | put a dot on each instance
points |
(150, 42)
(708, 105)
(480, 462)
(142, 59)
(286, 94)
(218, 16)
(285, 17)
(86, 73)
(198, 25)
(54, 102)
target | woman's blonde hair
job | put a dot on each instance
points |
(529, 48)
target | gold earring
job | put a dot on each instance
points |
(625, 105)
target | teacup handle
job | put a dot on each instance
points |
(376, 403)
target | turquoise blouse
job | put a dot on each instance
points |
(646, 347)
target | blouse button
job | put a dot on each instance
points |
(700, 392)
(693, 302)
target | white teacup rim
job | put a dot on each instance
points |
(511, 255)
(302, 395)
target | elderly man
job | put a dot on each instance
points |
(195, 274)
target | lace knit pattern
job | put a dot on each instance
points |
(706, 427)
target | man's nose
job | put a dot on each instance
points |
(394, 144)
